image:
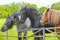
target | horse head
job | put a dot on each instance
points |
(46, 17)
(32, 14)
(15, 19)
(8, 24)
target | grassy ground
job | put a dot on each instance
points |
(13, 33)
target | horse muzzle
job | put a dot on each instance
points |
(41, 23)
(4, 28)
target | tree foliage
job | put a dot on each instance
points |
(42, 9)
(9, 9)
(56, 6)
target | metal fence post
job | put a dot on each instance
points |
(6, 35)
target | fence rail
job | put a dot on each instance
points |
(48, 29)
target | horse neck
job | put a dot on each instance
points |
(33, 20)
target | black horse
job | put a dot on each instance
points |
(14, 19)
(35, 17)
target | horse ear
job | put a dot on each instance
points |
(46, 11)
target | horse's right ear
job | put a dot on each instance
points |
(46, 11)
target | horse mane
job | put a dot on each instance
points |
(55, 17)
(32, 9)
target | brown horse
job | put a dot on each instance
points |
(51, 16)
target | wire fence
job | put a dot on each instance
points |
(39, 29)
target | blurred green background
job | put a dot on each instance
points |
(9, 9)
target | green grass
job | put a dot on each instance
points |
(12, 33)
(50, 38)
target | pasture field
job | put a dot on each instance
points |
(13, 33)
